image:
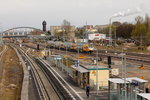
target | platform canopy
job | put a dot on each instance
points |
(117, 80)
(137, 79)
(80, 69)
(145, 95)
(128, 80)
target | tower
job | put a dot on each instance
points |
(44, 25)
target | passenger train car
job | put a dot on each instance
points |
(82, 46)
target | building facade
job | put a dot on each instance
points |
(71, 30)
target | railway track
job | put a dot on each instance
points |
(62, 84)
(38, 81)
(128, 54)
(131, 57)
(3, 51)
(1, 55)
(61, 91)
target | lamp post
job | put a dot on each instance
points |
(78, 54)
(97, 73)
(125, 70)
(123, 73)
(59, 48)
(67, 59)
(124, 76)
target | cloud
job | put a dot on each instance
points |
(32, 12)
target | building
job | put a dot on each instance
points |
(90, 28)
(96, 36)
(44, 25)
(88, 74)
(54, 29)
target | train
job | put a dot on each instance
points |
(71, 46)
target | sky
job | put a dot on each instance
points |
(15, 13)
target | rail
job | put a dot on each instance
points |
(68, 92)
(38, 81)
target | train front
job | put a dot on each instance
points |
(88, 47)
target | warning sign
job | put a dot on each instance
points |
(115, 71)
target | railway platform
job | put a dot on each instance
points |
(94, 95)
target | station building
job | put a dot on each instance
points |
(97, 76)
(92, 75)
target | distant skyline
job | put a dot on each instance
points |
(14, 13)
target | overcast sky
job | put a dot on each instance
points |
(96, 12)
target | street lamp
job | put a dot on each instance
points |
(124, 70)
(67, 59)
(78, 54)
(97, 73)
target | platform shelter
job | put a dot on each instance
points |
(120, 91)
(144, 96)
(88, 74)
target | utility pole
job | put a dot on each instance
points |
(86, 32)
(78, 54)
(67, 59)
(97, 73)
(124, 70)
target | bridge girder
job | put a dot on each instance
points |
(13, 31)
(22, 28)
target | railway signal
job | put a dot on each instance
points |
(38, 47)
(109, 61)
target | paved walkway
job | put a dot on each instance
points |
(102, 95)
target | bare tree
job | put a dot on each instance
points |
(139, 20)
(66, 28)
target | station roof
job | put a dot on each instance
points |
(80, 69)
(145, 95)
(128, 80)
(94, 67)
(117, 80)
(137, 79)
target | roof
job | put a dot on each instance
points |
(99, 69)
(117, 80)
(128, 80)
(95, 67)
(80, 69)
(145, 95)
(137, 79)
